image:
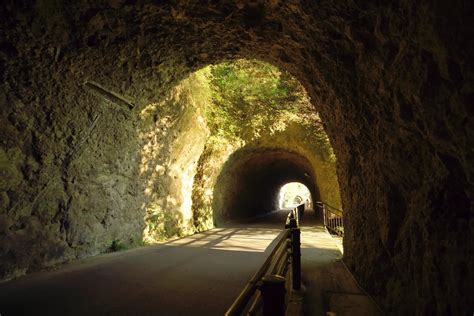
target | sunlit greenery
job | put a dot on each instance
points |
(251, 98)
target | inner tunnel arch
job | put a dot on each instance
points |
(251, 179)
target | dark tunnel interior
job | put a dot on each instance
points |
(251, 179)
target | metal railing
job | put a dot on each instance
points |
(333, 218)
(271, 278)
(297, 214)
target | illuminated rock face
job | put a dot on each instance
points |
(393, 85)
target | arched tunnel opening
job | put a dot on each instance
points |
(392, 84)
(251, 179)
(292, 194)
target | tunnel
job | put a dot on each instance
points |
(392, 83)
(251, 180)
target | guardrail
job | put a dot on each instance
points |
(333, 218)
(271, 278)
(296, 213)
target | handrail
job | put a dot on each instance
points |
(333, 218)
(279, 267)
(295, 213)
(277, 263)
(333, 208)
(238, 306)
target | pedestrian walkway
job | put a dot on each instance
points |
(329, 286)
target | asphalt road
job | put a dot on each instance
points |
(197, 275)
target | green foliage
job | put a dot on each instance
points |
(203, 218)
(164, 224)
(251, 99)
(116, 245)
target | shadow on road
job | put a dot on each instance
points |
(196, 275)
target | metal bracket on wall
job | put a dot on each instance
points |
(108, 95)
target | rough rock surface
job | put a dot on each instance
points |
(173, 133)
(235, 181)
(392, 82)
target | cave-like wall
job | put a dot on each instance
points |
(172, 135)
(392, 82)
(230, 178)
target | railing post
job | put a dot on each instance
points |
(292, 223)
(324, 215)
(296, 257)
(318, 207)
(300, 209)
(297, 216)
(273, 293)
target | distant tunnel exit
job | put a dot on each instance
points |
(292, 194)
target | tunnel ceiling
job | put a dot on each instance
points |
(251, 179)
(392, 82)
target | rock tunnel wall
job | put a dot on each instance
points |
(174, 134)
(224, 175)
(392, 82)
(94, 177)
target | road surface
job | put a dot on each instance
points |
(197, 275)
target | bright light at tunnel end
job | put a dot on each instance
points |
(292, 194)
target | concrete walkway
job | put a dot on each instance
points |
(330, 287)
